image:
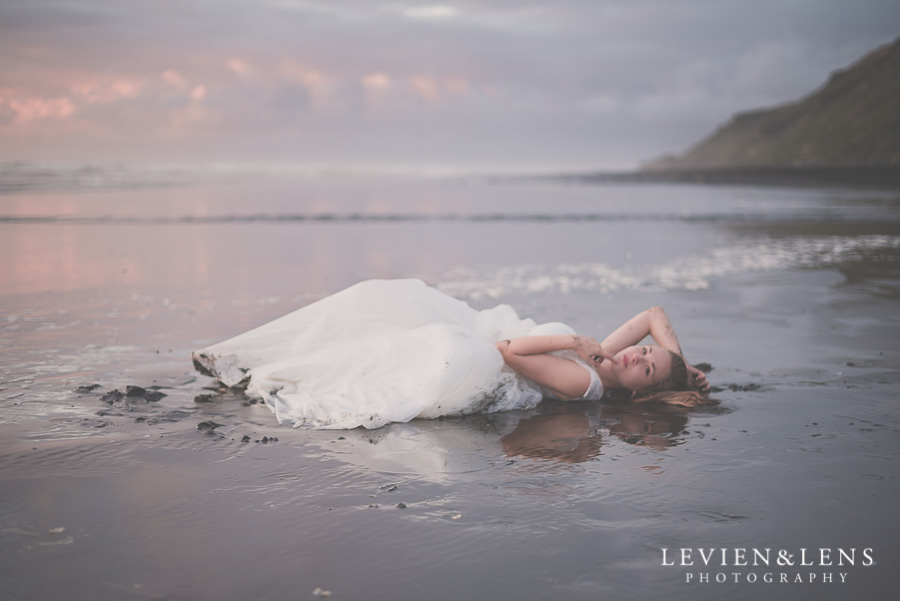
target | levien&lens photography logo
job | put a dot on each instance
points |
(767, 565)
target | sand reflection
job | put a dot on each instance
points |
(554, 432)
(577, 432)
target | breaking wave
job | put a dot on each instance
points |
(688, 273)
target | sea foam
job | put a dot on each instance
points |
(686, 273)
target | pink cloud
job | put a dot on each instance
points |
(185, 121)
(174, 79)
(456, 84)
(377, 89)
(320, 86)
(198, 93)
(308, 77)
(433, 88)
(33, 109)
(238, 67)
(426, 86)
(107, 92)
(376, 81)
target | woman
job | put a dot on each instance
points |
(387, 351)
(615, 364)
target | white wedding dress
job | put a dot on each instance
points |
(382, 351)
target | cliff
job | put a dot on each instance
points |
(851, 121)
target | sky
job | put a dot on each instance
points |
(562, 84)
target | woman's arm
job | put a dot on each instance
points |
(528, 356)
(653, 322)
(587, 348)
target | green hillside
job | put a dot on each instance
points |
(853, 120)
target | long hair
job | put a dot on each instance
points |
(677, 389)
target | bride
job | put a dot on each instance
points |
(387, 351)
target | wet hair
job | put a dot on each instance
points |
(677, 389)
(678, 375)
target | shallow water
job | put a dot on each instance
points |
(791, 295)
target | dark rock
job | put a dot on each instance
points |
(87, 388)
(744, 387)
(265, 440)
(401, 505)
(208, 427)
(204, 364)
(134, 393)
(203, 398)
(138, 392)
(245, 438)
(735, 387)
(112, 397)
(164, 417)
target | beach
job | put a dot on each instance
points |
(789, 294)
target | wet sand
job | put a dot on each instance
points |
(167, 499)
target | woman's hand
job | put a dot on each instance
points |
(697, 379)
(590, 351)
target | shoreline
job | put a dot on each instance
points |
(864, 177)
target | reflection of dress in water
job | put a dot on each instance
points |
(382, 351)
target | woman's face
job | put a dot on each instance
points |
(641, 367)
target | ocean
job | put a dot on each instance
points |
(111, 275)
